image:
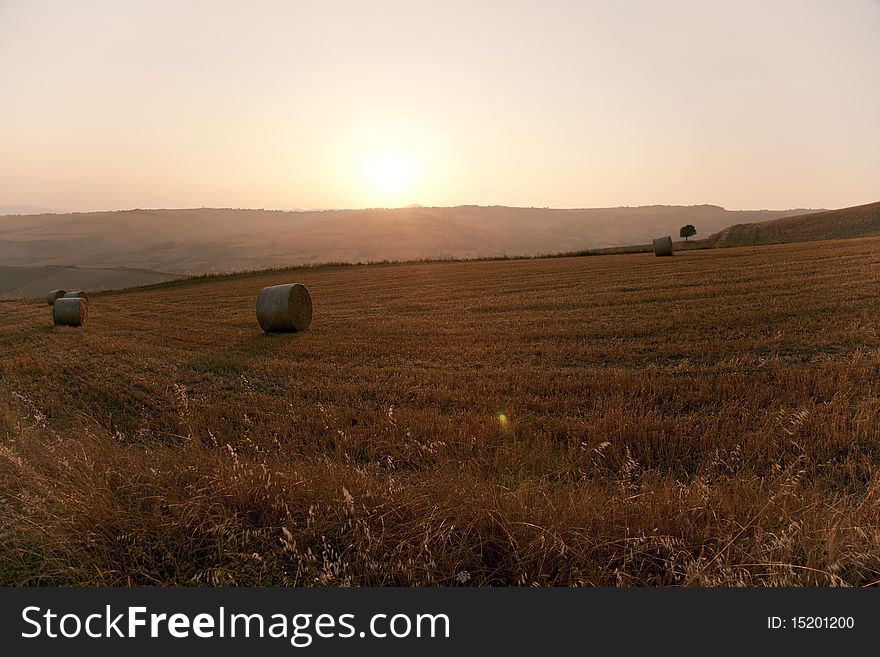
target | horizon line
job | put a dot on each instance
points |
(414, 206)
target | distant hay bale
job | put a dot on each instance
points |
(55, 294)
(663, 246)
(284, 308)
(70, 311)
(76, 294)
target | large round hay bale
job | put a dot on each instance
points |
(53, 295)
(70, 311)
(284, 308)
(76, 294)
(663, 246)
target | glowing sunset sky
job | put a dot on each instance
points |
(747, 104)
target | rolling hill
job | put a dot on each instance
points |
(205, 240)
(710, 419)
(856, 221)
(30, 282)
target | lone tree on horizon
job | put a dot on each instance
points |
(687, 231)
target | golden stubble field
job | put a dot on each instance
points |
(708, 419)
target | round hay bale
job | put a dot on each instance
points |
(284, 308)
(70, 311)
(55, 294)
(663, 246)
(76, 294)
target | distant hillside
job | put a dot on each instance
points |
(857, 221)
(203, 240)
(29, 282)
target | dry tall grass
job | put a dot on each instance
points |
(706, 420)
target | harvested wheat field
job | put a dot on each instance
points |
(710, 419)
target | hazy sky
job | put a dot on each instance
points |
(747, 104)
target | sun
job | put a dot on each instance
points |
(390, 174)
